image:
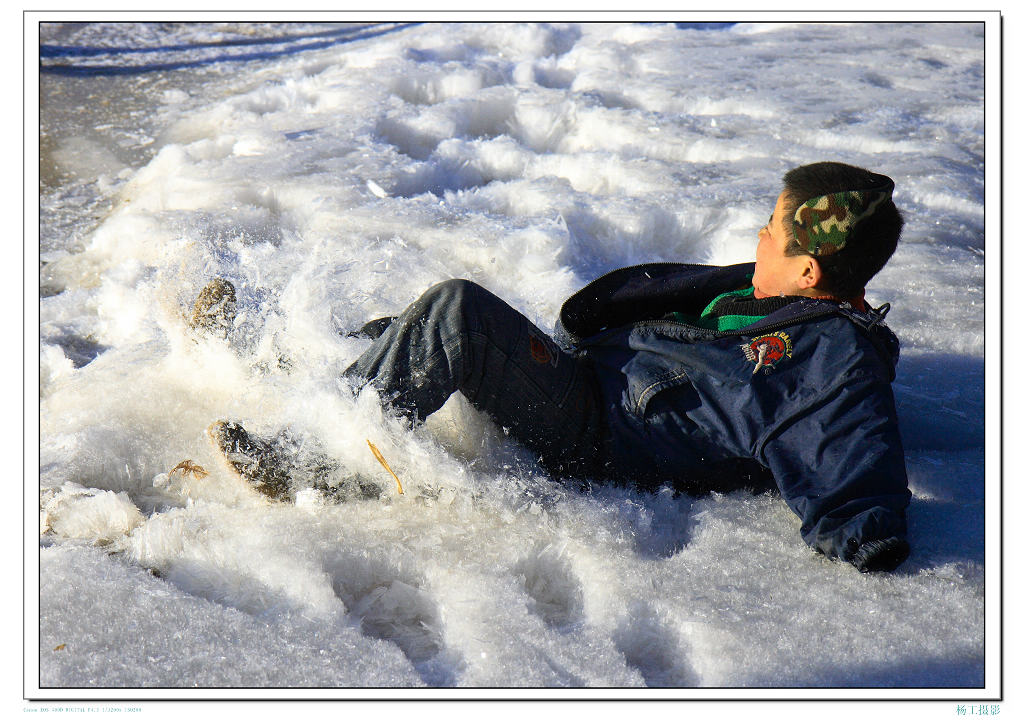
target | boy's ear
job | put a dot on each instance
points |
(811, 274)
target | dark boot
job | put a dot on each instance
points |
(214, 310)
(281, 466)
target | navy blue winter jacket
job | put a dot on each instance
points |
(805, 392)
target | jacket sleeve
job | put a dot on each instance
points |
(839, 465)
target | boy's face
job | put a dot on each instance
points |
(776, 273)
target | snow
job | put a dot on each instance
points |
(335, 184)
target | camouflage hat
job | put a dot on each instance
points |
(823, 224)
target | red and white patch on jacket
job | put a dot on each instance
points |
(766, 351)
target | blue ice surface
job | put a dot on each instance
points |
(56, 51)
(293, 44)
(704, 26)
(54, 59)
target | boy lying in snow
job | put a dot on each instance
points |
(675, 373)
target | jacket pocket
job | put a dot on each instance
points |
(642, 391)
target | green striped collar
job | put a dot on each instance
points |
(733, 310)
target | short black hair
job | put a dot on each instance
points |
(872, 241)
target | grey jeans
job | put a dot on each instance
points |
(460, 337)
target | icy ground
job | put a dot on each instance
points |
(334, 185)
